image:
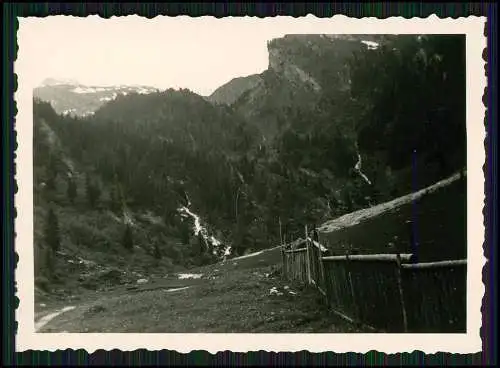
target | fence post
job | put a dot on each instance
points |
(281, 234)
(321, 269)
(401, 295)
(283, 255)
(413, 240)
(283, 260)
(308, 258)
(351, 287)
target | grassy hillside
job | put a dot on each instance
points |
(231, 297)
(91, 254)
(437, 223)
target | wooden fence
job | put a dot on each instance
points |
(384, 291)
(435, 296)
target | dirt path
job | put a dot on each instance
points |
(49, 317)
(45, 321)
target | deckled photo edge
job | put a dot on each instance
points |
(26, 339)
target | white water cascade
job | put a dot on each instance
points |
(198, 229)
(357, 167)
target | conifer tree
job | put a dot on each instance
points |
(52, 171)
(49, 263)
(93, 191)
(157, 252)
(52, 236)
(72, 190)
(116, 196)
(184, 231)
(88, 189)
(128, 240)
(51, 182)
(114, 200)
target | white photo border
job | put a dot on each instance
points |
(26, 69)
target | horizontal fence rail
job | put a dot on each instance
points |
(370, 257)
(296, 250)
(441, 264)
(385, 291)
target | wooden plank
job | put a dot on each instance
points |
(308, 258)
(281, 234)
(321, 270)
(343, 316)
(437, 300)
(296, 250)
(401, 296)
(318, 245)
(370, 257)
(322, 291)
(291, 245)
(296, 242)
(283, 260)
(349, 319)
(459, 262)
(351, 288)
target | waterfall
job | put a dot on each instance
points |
(198, 229)
(357, 167)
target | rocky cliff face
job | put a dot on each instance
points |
(280, 64)
(302, 71)
(310, 62)
(231, 91)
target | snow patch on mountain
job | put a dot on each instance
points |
(69, 112)
(109, 98)
(370, 45)
(81, 89)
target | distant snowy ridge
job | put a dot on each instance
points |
(68, 97)
(121, 89)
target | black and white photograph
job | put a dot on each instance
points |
(229, 176)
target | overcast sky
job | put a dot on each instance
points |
(199, 54)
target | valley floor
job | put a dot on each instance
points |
(245, 295)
